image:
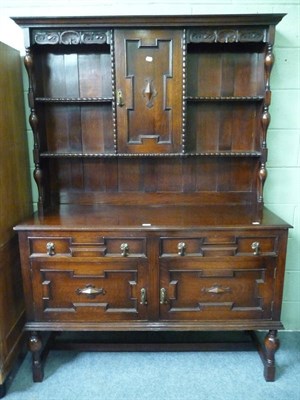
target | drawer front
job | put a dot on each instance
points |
(50, 245)
(218, 245)
(125, 247)
(89, 291)
(216, 290)
(182, 246)
(88, 245)
(258, 245)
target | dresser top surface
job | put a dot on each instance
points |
(156, 217)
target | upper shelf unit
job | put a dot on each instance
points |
(222, 90)
(170, 95)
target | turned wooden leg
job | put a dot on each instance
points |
(36, 347)
(271, 344)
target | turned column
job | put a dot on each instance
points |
(36, 347)
(271, 344)
(34, 123)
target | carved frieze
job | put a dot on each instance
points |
(94, 37)
(226, 35)
(258, 35)
(70, 37)
(46, 37)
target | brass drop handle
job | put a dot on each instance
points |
(91, 291)
(50, 249)
(163, 296)
(144, 297)
(120, 100)
(181, 247)
(256, 247)
(124, 249)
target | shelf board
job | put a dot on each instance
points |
(110, 99)
(73, 100)
(223, 98)
(156, 155)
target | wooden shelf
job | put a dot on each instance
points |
(224, 98)
(147, 155)
(73, 99)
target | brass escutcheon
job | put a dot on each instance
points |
(163, 296)
(120, 100)
(144, 296)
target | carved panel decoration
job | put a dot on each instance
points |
(226, 35)
(149, 92)
(70, 37)
(149, 89)
(66, 291)
(221, 290)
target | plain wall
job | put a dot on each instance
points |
(282, 188)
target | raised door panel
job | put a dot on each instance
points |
(226, 289)
(81, 291)
(149, 90)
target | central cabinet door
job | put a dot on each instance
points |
(149, 90)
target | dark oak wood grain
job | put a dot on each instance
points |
(150, 152)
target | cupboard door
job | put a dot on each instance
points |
(149, 90)
(93, 291)
(212, 289)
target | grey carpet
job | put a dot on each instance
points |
(174, 375)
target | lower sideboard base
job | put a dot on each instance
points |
(40, 343)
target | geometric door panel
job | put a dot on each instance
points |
(197, 291)
(73, 291)
(149, 90)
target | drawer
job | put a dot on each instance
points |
(185, 246)
(125, 247)
(91, 245)
(257, 245)
(89, 291)
(219, 245)
(50, 245)
(207, 289)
